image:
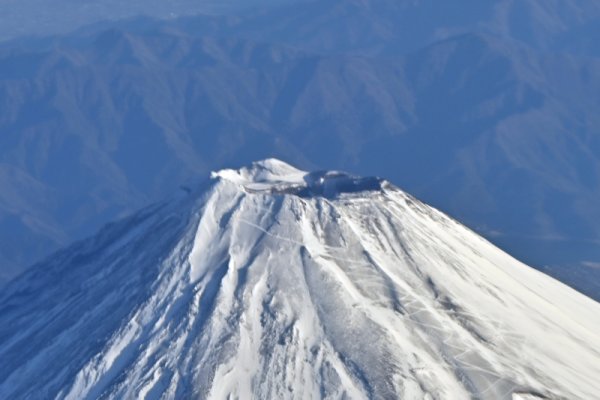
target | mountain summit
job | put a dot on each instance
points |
(270, 282)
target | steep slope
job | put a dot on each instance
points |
(276, 283)
(457, 123)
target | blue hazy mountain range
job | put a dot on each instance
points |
(43, 17)
(487, 110)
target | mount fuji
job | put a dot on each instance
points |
(271, 282)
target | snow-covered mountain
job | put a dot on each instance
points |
(269, 282)
(500, 134)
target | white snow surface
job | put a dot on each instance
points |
(272, 283)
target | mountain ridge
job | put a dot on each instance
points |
(456, 120)
(249, 285)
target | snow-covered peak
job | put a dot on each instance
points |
(277, 177)
(267, 172)
(282, 284)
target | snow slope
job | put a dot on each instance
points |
(270, 282)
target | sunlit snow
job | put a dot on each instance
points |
(276, 283)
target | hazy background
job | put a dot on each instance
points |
(487, 110)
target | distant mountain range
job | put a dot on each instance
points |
(39, 18)
(488, 111)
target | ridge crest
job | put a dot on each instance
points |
(277, 177)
